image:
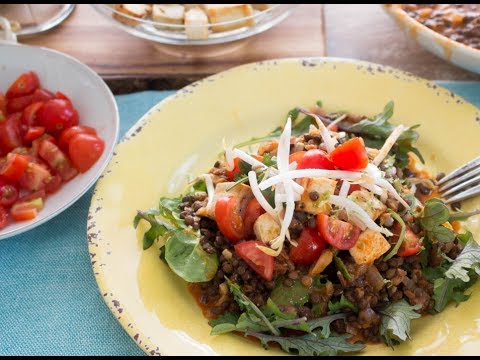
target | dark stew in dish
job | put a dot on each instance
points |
(459, 22)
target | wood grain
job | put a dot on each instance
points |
(113, 53)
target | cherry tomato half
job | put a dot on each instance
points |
(310, 246)
(252, 213)
(14, 167)
(68, 134)
(350, 155)
(228, 218)
(85, 150)
(8, 194)
(340, 234)
(56, 159)
(25, 84)
(56, 115)
(260, 262)
(10, 133)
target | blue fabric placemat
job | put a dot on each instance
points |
(49, 300)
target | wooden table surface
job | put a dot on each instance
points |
(362, 32)
(114, 53)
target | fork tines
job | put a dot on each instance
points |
(462, 183)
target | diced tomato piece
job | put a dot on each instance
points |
(36, 143)
(340, 234)
(33, 195)
(310, 246)
(8, 193)
(411, 244)
(260, 262)
(42, 95)
(26, 210)
(25, 84)
(29, 115)
(67, 135)
(18, 104)
(57, 160)
(85, 150)
(252, 213)
(3, 217)
(14, 167)
(10, 133)
(53, 184)
(296, 156)
(350, 155)
(35, 177)
(315, 159)
(236, 170)
(33, 133)
(229, 221)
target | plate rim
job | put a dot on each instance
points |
(101, 170)
(123, 316)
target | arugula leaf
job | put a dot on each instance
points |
(168, 209)
(319, 103)
(375, 131)
(249, 307)
(446, 290)
(309, 344)
(343, 303)
(395, 325)
(324, 323)
(157, 229)
(187, 259)
(435, 213)
(224, 323)
(200, 185)
(469, 259)
(442, 234)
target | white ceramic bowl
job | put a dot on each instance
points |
(91, 97)
(449, 50)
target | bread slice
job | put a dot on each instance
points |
(168, 14)
(136, 10)
(261, 7)
(218, 13)
(196, 24)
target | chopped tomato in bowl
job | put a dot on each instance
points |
(44, 120)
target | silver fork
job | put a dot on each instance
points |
(462, 183)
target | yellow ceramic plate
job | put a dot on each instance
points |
(182, 136)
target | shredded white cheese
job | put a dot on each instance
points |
(355, 210)
(249, 159)
(344, 189)
(229, 159)
(336, 121)
(329, 141)
(210, 189)
(252, 179)
(389, 187)
(391, 140)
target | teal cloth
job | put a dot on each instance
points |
(49, 300)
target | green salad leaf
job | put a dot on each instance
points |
(395, 325)
(469, 259)
(447, 290)
(434, 215)
(343, 303)
(309, 344)
(187, 259)
(296, 295)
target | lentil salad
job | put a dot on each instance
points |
(323, 236)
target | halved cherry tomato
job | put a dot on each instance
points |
(3, 107)
(310, 246)
(56, 159)
(18, 104)
(25, 84)
(340, 234)
(26, 210)
(229, 220)
(315, 159)
(85, 150)
(296, 156)
(10, 133)
(67, 135)
(8, 194)
(56, 115)
(3, 217)
(29, 115)
(252, 212)
(411, 244)
(260, 262)
(14, 167)
(350, 155)
(35, 177)
(33, 195)
(36, 143)
(42, 95)
(33, 132)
